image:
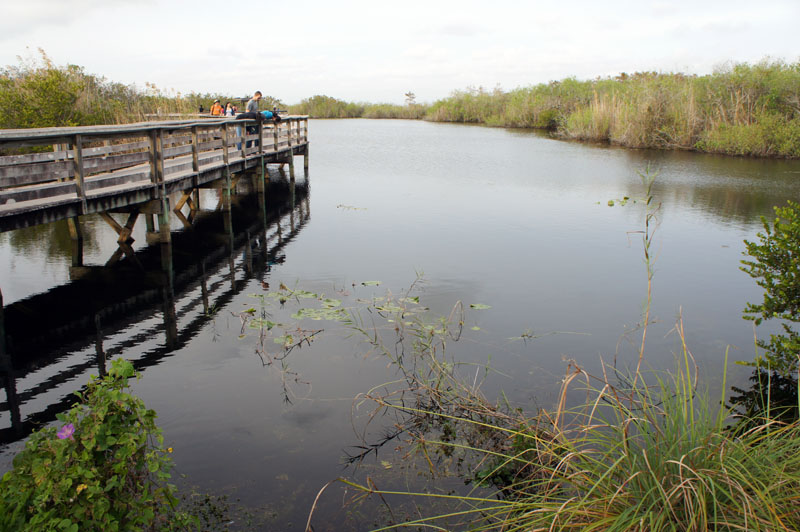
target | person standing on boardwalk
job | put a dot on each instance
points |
(216, 109)
(252, 107)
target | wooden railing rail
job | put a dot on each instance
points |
(80, 162)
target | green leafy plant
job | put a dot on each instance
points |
(105, 468)
(775, 266)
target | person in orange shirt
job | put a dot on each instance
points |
(216, 109)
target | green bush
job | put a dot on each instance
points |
(104, 469)
(776, 268)
(770, 135)
(321, 106)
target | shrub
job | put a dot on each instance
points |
(770, 135)
(776, 268)
(104, 469)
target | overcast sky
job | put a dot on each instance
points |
(375, 51)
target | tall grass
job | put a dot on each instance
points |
(741, 109)
(321, 106)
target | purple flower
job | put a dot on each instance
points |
(66, 432)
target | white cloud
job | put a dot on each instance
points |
(21, 17)
(370, 51)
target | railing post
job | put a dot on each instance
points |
(225, 143)
(157, 162)
(289, 132)
(195, 153)
(77, 161)
(275, 127)
(241, 131)
(261, 138)
(305, 133)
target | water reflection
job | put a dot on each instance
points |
(55, 339)
(724, 189)
(721, 189)
(771, 395)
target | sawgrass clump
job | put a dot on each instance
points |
(648, 451)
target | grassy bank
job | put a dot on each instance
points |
(740, 110)
(321, 106)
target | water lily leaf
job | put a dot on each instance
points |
(304, 294)
(371, 283)
(335, 314)
(475, 328)
(479, 306)
(258, 324)
(389, 308)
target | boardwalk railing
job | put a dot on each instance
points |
(84, 170)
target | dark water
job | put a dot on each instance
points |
(509, 219)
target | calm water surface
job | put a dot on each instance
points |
(505, 218)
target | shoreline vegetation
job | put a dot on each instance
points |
(740, 109)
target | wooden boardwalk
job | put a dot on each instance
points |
(133, 167)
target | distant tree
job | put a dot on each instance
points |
(411, 98)
(41, 95)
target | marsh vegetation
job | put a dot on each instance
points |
(740, 109)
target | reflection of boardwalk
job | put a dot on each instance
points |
(139, 308)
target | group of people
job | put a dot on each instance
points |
(251, 112)
(230, 109)
(218, 110)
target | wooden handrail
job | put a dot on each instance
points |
(198, 140)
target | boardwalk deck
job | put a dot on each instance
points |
(95, 169)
